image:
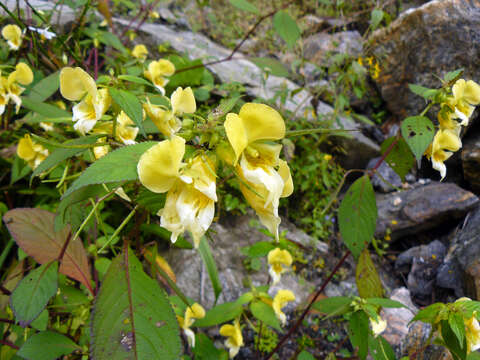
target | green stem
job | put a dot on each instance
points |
(426, 109)
(120, 228)
(5, 252)
(65, 146)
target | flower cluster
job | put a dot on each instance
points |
(14, 36)
(454, 113)
(31, 152)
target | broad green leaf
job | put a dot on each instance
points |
(118, 165)
(333, 306)
(47, 345)
(305, 355)
(430, 313)
(376, 18)
(220, 314)
(135, 79)
(260, 249)
(20, 169)
(132, 317)
(33, 293)
(286, 27)
(209, 261)
(422, 91)
(473, 356)
(385, 303)
(357, 330)
(185, 78)
(368, 282)
(270, 66)
(130, 105)
(455, 320)
(60, 154)
(400, 158)
(45, 88)
(33, 231)
(457, 349)
(244, 5)
(41, 322)
(46, 110)
(357, 215)
(380, 349)
(418, 132)
(453, 75)
(205, 349)
(265, 313)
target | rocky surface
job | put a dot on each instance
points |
(429, 41)
(421, 208)
(414, 344)
(384, 172)
(471, 160)
(318, 46)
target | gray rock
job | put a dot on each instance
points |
(422, 43)
(318, 47)
(415, 343)
(343, 288)
(421, 208)
(471, 160)
(386, 173)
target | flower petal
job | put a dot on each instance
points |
(23, 74)
(262, 122)
(75, 83)
(284, 172)
(236, 134)
(183, 101)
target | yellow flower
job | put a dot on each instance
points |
(196, 311)
(466, 95)
(378, 325)
(279, 261)
(75, 85)
(279, 301)
(47, 126)
(9, 88)
(183, 101)
(101, 151)
(13, 35)
(234, 337)
(31, 152)
(125, 132)
(256, 160)
(140, 52)
(444, 143)
(154, 15)
(157, 70)
(164, 119)
(327, 157)
(190, 202)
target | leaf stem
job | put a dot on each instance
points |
(120, 228)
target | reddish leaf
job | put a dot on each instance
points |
(33, 230)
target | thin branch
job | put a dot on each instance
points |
(4, 290)
(8, 343)
(64, 247)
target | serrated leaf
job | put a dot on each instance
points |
(132, 317)
(205, 349)
(188, 77)
(357, 215)
(418, 132)
(400, 158)
(130, 105)
(33, 231)
(135, 79)
(244, 5)
(220, 314)
(453, 75)
(429, 314)
(333, 306)
(385, 303)
(368, 282)
(422, 91)
(107, 169)
(457, 325)
(47, 345)
(265, 313)
(211, 266)
(357, 331)
(270, 66)
(33, 293)
(376, 18)
(457, 349)
(46, 110)
(286, 27)
(45, 88)
(224, 107)
(380, 349)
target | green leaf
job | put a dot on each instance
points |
(376, 18)
(457, 325)
(205, 349)
(422, 91)
(106, 38)
(265, 313)
(220, 314)
(60, 154)
(473, 356)
(357, 215)
(45, 88)
(286, 27)
(418, 132)
(400, 157)
(107, 169)
(130, 105)
(453, 75)
(457, 349)
(333, 306)
(132, 317)
(385, 303)
(305, 355)
(188, 77)
(244, 5)
(430, 313)
(380, 349)
(368, 282)
(33, 293)
(41, 322)
(357, 332)
(47, 345)
(224, 107)
(20, 169)
(270, 66)
(260, 249)
(207, 257)
(46, 110)
(135, 79)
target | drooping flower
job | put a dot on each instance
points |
(156, 72)
(191, 191)
(378, 325)
(10, 88)
(140, 52)
(31, 152)
(76, 85)
(234, 336)
(279, 261)
(256, 161)
(166, 122)
(279, 301)
(196, 311)
(13, 35)
(466, 95)
(125, 132)
(183, 101)
(444, 144)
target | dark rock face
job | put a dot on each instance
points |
(415, 344)
(436, 38)
(471, 160)
(422, 208)
(387, 173)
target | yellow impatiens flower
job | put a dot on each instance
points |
(76, 85)
(378, 325)
(13, 35)
(183, 101)
(166, 122)
(156, 72)
(125, 132)
(279, 301)
(140, 52)
(444, 143)
(10, 88)
(256, 160)
(234, 337)
(196, 311)
(31, 152)
(466, 94)
(191, 190)
(472, 329)
(279, 261)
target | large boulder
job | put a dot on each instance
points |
(423, 43)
